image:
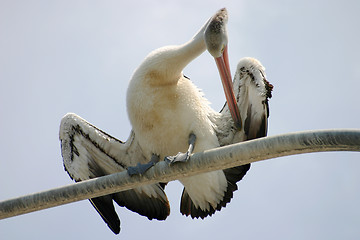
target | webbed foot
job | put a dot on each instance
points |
(140, 168)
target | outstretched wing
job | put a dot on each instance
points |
(89, 152)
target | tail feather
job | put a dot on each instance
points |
(151, 207)
(233, 175)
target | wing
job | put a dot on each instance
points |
(252, 92)
(89, 152)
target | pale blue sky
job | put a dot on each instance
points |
(78, 56)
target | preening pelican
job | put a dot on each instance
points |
(171, 119)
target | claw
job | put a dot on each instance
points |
(183, 157)
(180, 157)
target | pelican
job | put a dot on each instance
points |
(171, 119)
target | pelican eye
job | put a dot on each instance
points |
(222, 48)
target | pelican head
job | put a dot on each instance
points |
(216, 41)
(216, 38)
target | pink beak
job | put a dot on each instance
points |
(222, 63)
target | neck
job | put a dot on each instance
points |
(193, 48)
(167, 63)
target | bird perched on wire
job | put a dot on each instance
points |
(171, 119)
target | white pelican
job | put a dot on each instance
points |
(169, 114)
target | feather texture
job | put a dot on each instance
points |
(89, 152)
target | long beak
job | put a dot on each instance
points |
(222, 63)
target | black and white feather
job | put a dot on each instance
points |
(89, 152)
(252, 92)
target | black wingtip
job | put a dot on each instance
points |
(105, 207)
(233, 175)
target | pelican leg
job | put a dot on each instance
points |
(142, 168)
(183, 157)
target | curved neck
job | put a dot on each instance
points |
(167, 63)
(193, 48)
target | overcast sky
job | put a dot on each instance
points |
(78, 56)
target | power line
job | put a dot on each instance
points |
(210, 160)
